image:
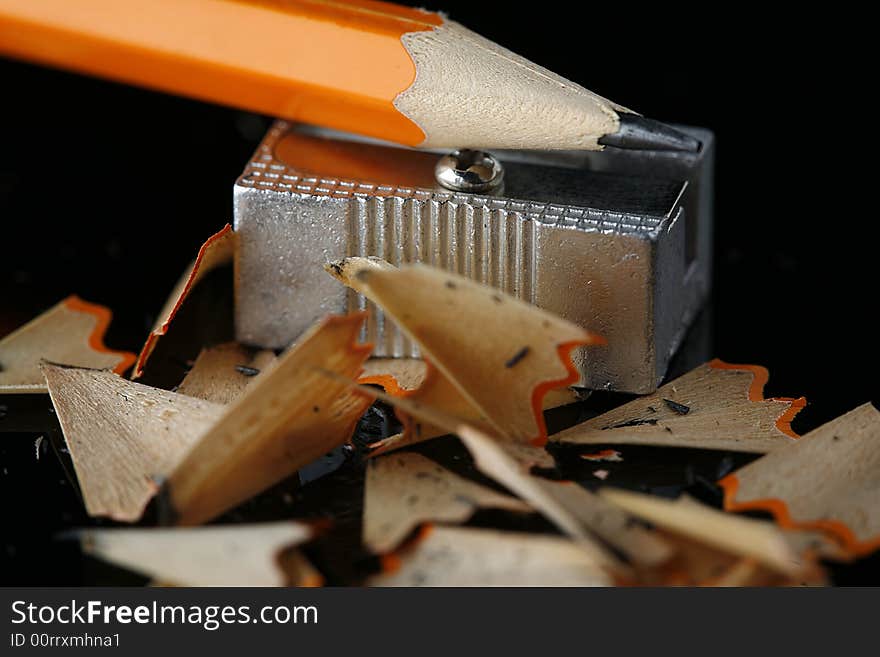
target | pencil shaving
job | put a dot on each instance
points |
(349, 271)
(287, 418)
(694, 563)
(438, 393)
(573, 509)
(827, 481)
(737, 535)
(404, 490)
(502, 363)
(716, 406)
(395, 375)
(426, 420)
(458, 556)
(220, 374)
(508, 463)
(435, 392)
(123, 437)
(232, 555)
(215, 252)
(69, 333)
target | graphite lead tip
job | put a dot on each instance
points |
(638, 133)
(432, 83)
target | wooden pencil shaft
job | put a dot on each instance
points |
(405, 75)
(336, 64)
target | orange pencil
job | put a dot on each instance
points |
(375, 68)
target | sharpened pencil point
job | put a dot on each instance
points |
(638, 133)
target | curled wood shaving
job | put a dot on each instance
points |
(737, 535)
(123, 437)
(436, 392)
(575, 510)
(288, 417)
(827, 481)
(348, 271)
(215, 252)
(726, 410)
(404, 490)
(422, 431)
(499, 354)
(421, 415)
(225, 555)
(69, 333)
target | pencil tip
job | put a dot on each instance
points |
(638, 133)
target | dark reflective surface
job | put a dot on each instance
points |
(108, 191)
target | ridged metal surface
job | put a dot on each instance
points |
(600, 241)
(496, 247)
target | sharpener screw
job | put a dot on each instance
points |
(469, 171)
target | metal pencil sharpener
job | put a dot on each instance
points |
(617, 241)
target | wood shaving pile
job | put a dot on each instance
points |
(499, 511)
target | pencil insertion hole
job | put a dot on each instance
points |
(470, 171)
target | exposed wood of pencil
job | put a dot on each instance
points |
(715, 406)
(230, 555)
(388, 71)
(827, 481)
(71, 333)
(287, 418)
(123, 437)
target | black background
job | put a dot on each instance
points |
(107, 191)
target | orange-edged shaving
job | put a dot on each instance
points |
(289, 416)
(826, 481)
(69, 333)
(493, 358)
(215, 252)
(756, 393)
(715, 406)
